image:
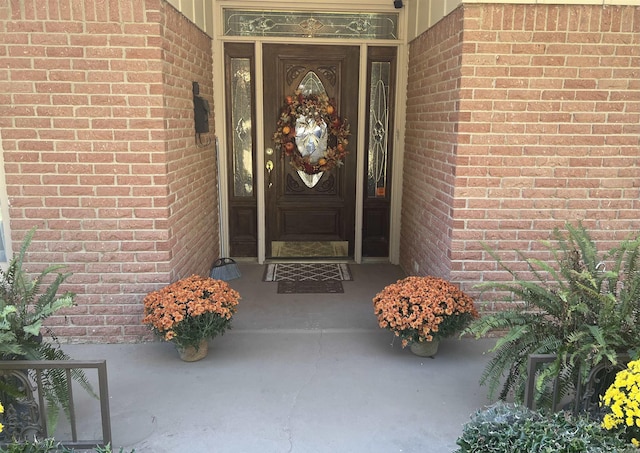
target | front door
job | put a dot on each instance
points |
(309, 192)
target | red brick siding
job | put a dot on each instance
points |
(96, 120)
(191, 169)
(430, 148)
(548, 132)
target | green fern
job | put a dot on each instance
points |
(582, 306)
(56, 385)
(24, 305)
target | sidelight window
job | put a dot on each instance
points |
(379, 150)
(241, 107)
(378, 129)
(240, 149)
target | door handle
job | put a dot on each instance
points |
(269, 167)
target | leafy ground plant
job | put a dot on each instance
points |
(513, 428)
(26, 301)
(584, 307)
(50, 445)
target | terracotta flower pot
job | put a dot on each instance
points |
(193, 354)
(425, 348)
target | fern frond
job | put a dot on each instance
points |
(56, 385)
(581, 306)
(496, 321)
(24, 304)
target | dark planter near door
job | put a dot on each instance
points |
(586, 397)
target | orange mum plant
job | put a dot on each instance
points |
(420, 309)
(191, 310)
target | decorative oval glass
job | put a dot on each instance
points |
(311, 132)
(311, 138)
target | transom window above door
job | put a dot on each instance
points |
(348, 25)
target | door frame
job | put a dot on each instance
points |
(359, 153)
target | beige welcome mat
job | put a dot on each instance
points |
(307, 249)
(300, 272)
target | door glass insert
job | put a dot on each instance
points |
(311, 84)
(311, 130)
(241, 108)
(378, 129)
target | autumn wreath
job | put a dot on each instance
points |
(318, 110)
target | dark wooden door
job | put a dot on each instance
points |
(322, 210)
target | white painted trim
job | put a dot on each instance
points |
(260, 150)
(221, 143)
(398, 154)
(360, 154)
(197, 11)
(4, 207)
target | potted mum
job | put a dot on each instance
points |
(622, 404)
(422, 310)
(189, 312)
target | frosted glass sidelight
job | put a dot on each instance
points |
(241, 107)
(378, 129)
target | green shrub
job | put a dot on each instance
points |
(49, 445)
(510, 427)
(26, 301)
(584, 307)
(38, 446)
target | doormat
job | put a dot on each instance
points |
(291, 272)
(310, 287)
(316, 249)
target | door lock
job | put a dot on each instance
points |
(269, 167)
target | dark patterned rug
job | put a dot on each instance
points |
(315, 272)
(310, 287)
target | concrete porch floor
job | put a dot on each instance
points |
(299, 373)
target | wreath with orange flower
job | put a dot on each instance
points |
(321, 109)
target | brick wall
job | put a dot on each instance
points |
(548, 101)
(430, 148)
(96, 124)
(193, 195)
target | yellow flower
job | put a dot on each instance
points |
(622, 399)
